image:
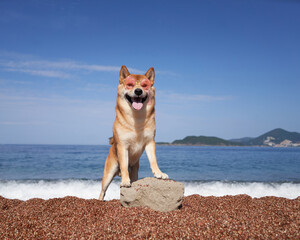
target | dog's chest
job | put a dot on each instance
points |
(137, 143)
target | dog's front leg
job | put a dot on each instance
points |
(123, 160)
(151, 154)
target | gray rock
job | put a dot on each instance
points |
(158, 194)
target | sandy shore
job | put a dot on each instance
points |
(229, 217)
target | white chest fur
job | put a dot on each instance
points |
(135, 142)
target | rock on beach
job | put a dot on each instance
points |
(157, 194)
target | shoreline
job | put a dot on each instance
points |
(158, 144)
(203, 145)
(231, 217)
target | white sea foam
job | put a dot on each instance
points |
(253, 189)
(89, 189)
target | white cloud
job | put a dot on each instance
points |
(61, 65)
(57, 69)
(5, 81)
(23, 123)
(53, 69)
(43, 73)
(57, 100)
(170, 96)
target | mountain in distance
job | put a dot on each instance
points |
(275, 138)
(206, 141)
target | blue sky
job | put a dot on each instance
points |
(223, 68)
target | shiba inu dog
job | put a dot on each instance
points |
(133, 130)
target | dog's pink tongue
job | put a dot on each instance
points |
(137, 103)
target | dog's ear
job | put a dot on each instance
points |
(124, 73)
(150, 74)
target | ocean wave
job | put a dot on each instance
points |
(253, 189)
(90, 189)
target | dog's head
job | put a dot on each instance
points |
(136, 89)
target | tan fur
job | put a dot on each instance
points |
(133, 132)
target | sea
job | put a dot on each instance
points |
(52, 171)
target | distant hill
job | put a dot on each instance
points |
(243, 140)
(162, 143)
(275, 136)
(207, 141)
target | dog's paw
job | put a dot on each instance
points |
(161, 175)
(125, 184)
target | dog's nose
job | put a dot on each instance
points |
(138, 91)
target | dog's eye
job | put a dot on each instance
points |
(146, 84)
(130, 85)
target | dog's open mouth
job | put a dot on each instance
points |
(136, 102)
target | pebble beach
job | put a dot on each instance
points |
(228, 217)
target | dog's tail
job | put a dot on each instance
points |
(111, 140)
